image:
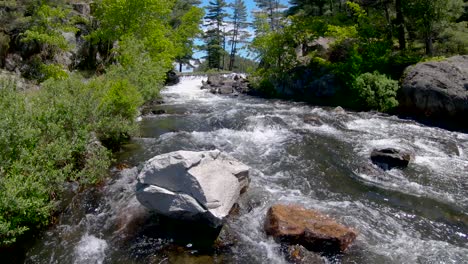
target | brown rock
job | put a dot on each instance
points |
(298, 254)
(315, 231)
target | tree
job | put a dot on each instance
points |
(432, 16)
(185, 20)
(147, 20)
(308, 7)
(239, 32)
(272, 9)
(214, 36)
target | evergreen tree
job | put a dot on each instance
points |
(238, 33)
(214, 36)
(430, 17)
(272, 9)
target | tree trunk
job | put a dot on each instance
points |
(400, 20)
(180, 66)
(224, 47)
(389, 21)
(429, 46)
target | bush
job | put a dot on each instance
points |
(47, 138)
(376, 91)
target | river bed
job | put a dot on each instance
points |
(314, 156)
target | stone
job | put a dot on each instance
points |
(13, 61)
(389, 158)
(172, 78)
(192, 185)
(437, 91)
(82, 8)
(298, 254)
(339, 110)
(313, 120)
(294, 224)
(158, 111)
(230, 84)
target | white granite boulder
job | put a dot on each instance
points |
(192, 185)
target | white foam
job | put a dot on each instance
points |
(90, 250)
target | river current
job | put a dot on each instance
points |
(314, 156)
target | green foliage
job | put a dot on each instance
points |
(137, 66)
(146, 20)
(47, 139)
(54, 71)
(430, 17)
(51, 136)
(376, 91)
(46, 27)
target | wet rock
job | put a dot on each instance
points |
(313, 120)
(300, 255)
(389, 158)
(339, 110)
(153, 107)
(192, 185)
(231, 84)
(294, 224)
(325, 86)
(158, 112)
(222, 90)
(172, 78)
(437, 91)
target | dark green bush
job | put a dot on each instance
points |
(376, 91)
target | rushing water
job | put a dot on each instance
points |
(415, 215)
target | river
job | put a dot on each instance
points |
(314, 156)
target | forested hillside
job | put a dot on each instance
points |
(352, 53)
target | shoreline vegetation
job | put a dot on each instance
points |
(64, 131)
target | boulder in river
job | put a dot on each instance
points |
(296, 225)
(172, 78)
(192, 185)
(226, 84)
(437, 91)
(389, 158)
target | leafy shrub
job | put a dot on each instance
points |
(54, 71)
(376, 91)
(47, 138)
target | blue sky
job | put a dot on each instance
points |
(250, 4)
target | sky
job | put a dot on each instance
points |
(250, 4)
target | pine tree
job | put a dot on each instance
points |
(238, 33)
(272, 9)
(214, 36)
(430, 17)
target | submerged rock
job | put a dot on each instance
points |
(437, 91)
(311, 229)
(389, 158)
(313, 120)
(192, 185)
(298, 254)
